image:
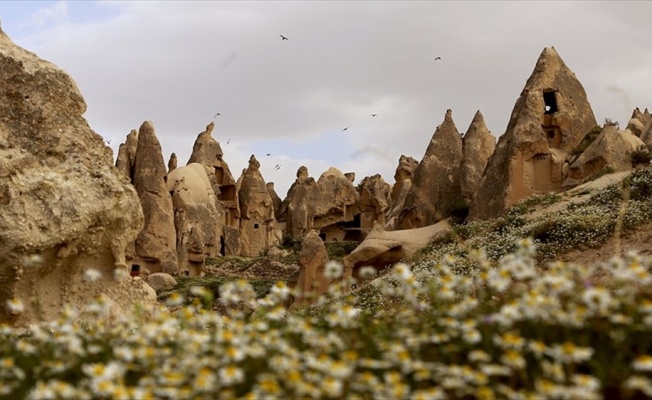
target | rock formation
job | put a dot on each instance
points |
(335, 204)
(197, 217)
(65, 208)
(380, 249)
(300, 205)
(126, 159)
(208, 152)
(156, 243)
(374, 202)
(311, 282)
(276, 200)
(172, 162)
(435, 186)
(257, 221)
(479, 145)
(549, 119)
(400, 189)
(612, 148)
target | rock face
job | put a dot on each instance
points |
(208, 152)
(197, 217)
(160, 281)
(549, 119)
(257, 221)
(312, 260)
(435, 186)
(612, 148)
(479, 145)
(64, 207)
(400, 189)
(156, 243)
(374, 202)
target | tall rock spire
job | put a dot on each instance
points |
(436, 182)
(550, 118)
(479, 145)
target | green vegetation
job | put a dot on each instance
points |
(588, 139)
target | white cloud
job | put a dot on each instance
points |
(55, 12)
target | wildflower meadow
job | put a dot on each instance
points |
(486, 322)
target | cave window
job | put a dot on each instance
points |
(550, 101)
(135, 270)
(255, 226)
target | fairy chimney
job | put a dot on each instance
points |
(479, 145)
(257, 221)
(549, 119)
(126, 158)
(402, 183)
(299, 207)
(197, 217)
(156, 243)
(208, 152)
(65, 208)
(436, 183)
(335, 205)
(312, 281)
(276, 200)
(374, 202)
(172, 162)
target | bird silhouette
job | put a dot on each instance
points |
(373, 115)
(277, 167)
(345, 129)
(227, 142)
(268, 154)
(283, 37)
(217, 115)
(437, 58)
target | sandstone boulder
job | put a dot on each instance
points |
(126, 159)
(381, 248)
(337, 197)
(549, 120)
(374, 202)
(299, 207)
(612, 148)
(435, 186)
(156, 243)
(65, 209)
(276, 200)
(161, 281)
(172, 162)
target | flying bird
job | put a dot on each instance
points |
(345, 129)
(217, 115)
(437, 58)
(373, 115)
(277, 167)
(227, 142)
(268, 154)
(283, 37)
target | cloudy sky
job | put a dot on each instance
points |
(177, 64)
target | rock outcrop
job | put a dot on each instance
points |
(300, 206)
(257, 221)
(276, 200)
(66, 210)
(479, 145)
(549, 119)
(156, 243)
(400, 189)
(311, 282)
(612, 148)
(435, 186)
(335, 204)
(197, 217)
